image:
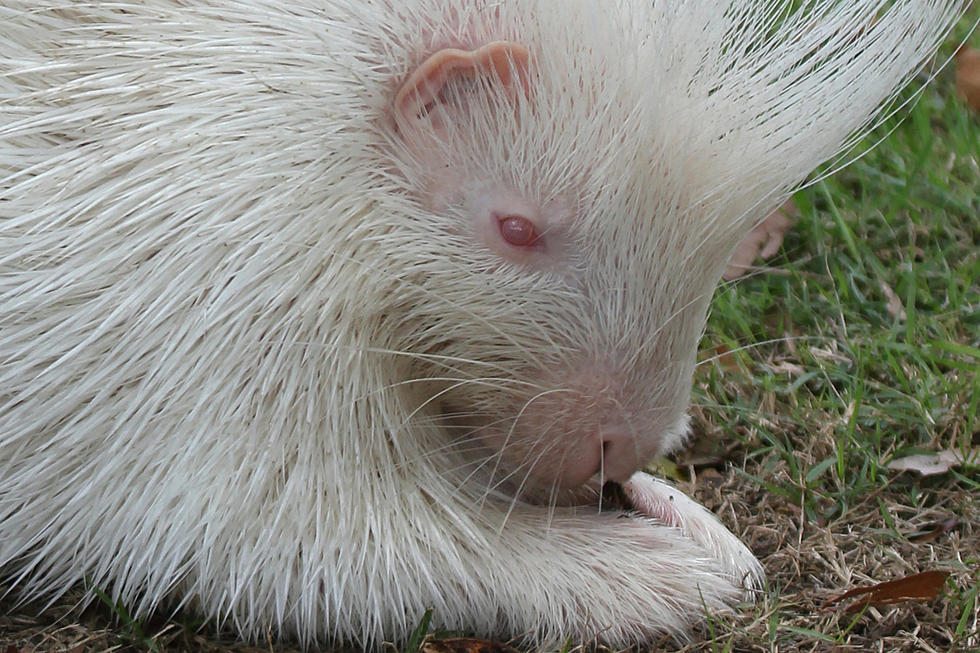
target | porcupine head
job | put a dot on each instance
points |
(577, 183)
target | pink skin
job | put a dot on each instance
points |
(579, 433)
(422, 88)
(608, 453)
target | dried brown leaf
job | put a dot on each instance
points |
(465, 645)
(917, 587)
(725, 358)
(931, 531)
(968, 75)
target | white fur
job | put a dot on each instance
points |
(227, 321)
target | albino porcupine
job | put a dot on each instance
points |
(317, 313)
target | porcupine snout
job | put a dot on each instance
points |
(580, 425)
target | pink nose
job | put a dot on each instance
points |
(620, 458)
(613, 454)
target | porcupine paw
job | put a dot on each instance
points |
(668, 505)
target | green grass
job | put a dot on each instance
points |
(860, 344)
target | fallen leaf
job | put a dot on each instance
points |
(789, 369)
(934, 463)
(725, 358)
(933, 530)
(763, 241)
(917, 587)
(465, 645)
(968, 75)
(894, 306)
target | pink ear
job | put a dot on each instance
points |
(501, 59)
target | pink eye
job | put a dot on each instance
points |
(518, 231)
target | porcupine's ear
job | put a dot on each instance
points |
(420, 104)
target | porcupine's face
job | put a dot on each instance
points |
(551, 311)
(582, 172)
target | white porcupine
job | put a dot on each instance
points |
(317, 313)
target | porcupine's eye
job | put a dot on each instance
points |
(518, 231)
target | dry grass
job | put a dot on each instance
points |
(810, 560)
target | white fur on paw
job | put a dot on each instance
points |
(672, 507)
